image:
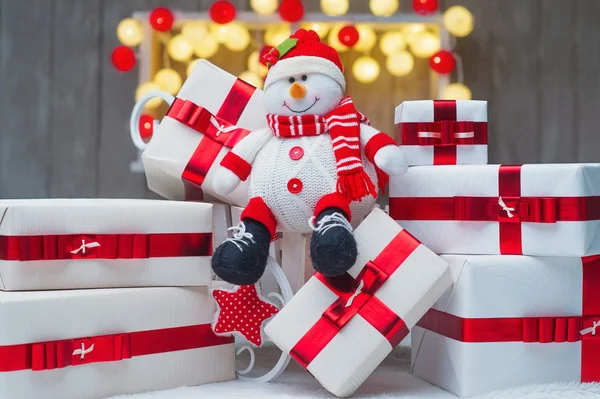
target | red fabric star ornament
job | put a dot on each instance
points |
(242, 311)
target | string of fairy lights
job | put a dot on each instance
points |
(187, 41)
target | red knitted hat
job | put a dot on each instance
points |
(303, 52)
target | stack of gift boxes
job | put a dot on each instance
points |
(493, 266)
(521, 242)
(394, 282)
(106, 297)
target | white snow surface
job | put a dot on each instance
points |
(391, 380)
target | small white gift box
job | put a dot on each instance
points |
(341, 328)
(92, 344)
(211, 113)
(93, 243)
(511, 321)
(545, 210)
(442, 132)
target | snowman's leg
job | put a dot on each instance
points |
(242, 259)
(332, 246)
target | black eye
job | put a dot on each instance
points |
(304, 77)
(292, 80)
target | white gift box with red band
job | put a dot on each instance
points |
(511, 321)
(212, 112)
(94, 243)
(543, 210)
(92, 344)
(442, 132)
(341, 328)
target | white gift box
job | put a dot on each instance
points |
(212, 111)
(442, 132)
(94, 243)
(545, 210)
(341, 328)
(88, 344)
(510, 321)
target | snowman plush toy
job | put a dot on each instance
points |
(317, 165)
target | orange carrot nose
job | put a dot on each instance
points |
(297, 90)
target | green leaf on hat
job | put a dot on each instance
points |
(286, 46)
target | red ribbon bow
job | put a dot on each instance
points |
(444, 133)
(352, 301)
(219, 131)
(509, 209)
(75, 352)
(357, 296)
(104, 246)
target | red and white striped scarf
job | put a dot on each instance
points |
(343, 124)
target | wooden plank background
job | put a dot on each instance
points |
(64, 110)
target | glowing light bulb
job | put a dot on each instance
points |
(275, 35)
(194, 32)
(383, 8)
(207, 47)
(366, 38)
(168, 80)
(219, 32)
(366, 69)
(392, 42)
(458, 21)
(400, 64)
(334, 41)
(145, 88)
(255, 66)
(237, 37)
(252, 78)
(264, 7)
(191, 66)
(457, 91)
(335, 8)
(425, 45)
(179, 49)
(129, 32)
(411, 31)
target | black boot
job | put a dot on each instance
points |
(332, 247)
(242, 259)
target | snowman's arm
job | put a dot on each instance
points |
(382, 151)
(239, 160)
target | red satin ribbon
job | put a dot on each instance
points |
(352, 301)
(489, 209)
(104, 246)
(534, 329)
(448, 131)
(224, 134)
(107, 348)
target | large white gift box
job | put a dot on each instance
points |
(92, 344)
(545, 209)
(443, 132)
(341, 328)
(211, 113)
(509, 321)
(94, 243)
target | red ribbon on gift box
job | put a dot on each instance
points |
(357, 296)
(104, 246)
(218, 131)
(445, 133)
(106, 348)
(585, 328)
(509, 209)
